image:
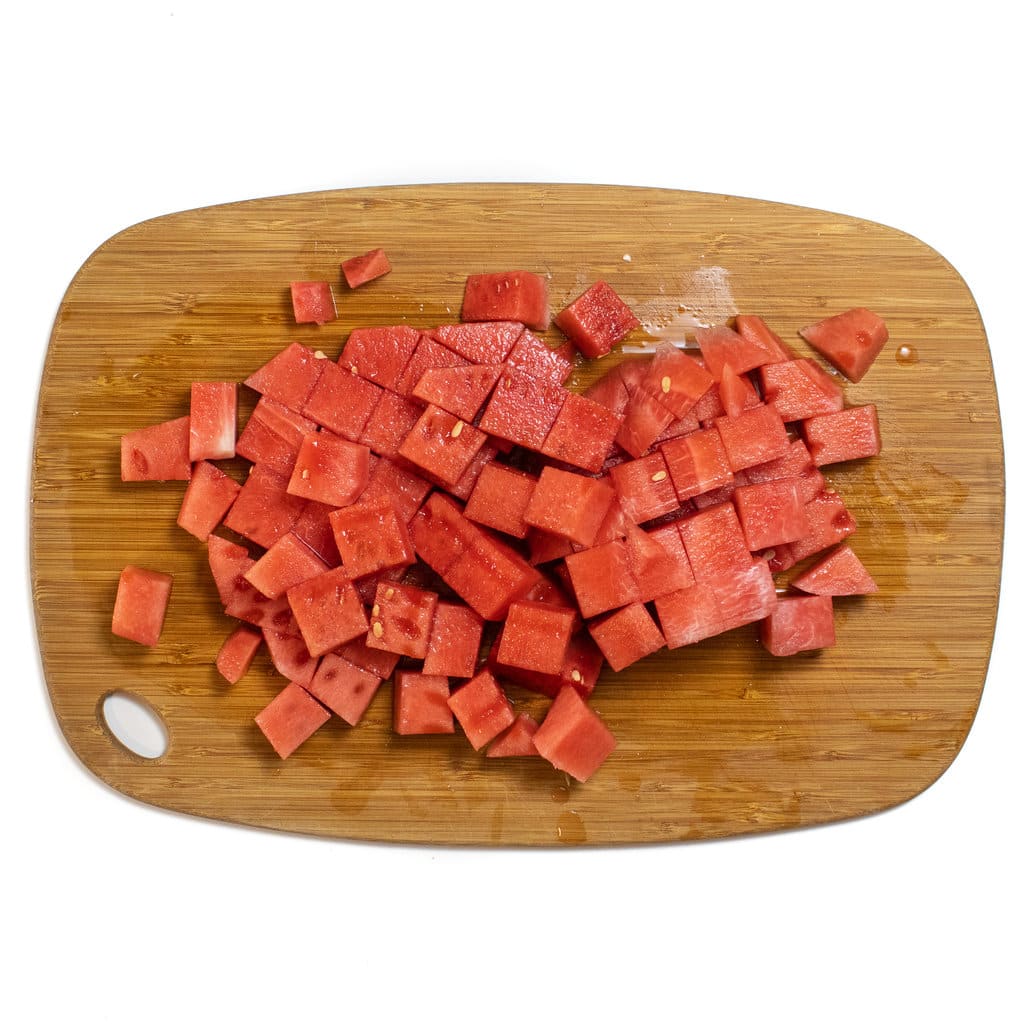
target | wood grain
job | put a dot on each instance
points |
(715, 740)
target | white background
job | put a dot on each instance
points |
(898, 113)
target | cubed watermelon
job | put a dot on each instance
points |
(285, 564)
(157, 452)
(420, 704)
(573, 737)
(799, 624)
(236, 653)
(313, 302)
(379, 354)
(358, 270)
(141, 604)
(289, 377)
(850, 341)
(453, 649)
(208, 496)
(627, 635)
(330, 469)
(536, 636)
(482, 709)
(517, 295)
(327, 611)
(401, 619)
(290, 719)
(343, 687)
(371, 537)
(342, 401)
(213, 411)
(597, 320)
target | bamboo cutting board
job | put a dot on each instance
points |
(714, 740)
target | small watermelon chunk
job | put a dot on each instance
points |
(627, 635)
(597, 320)
(284, 565)
(371, 537)
(500, 499)
(290, 719)
(213, 411)
(516, 740)
(442, 444)
(516, 295)
(343, 687)
(420, 705)
(851, 433)
(313, 302)
(522, 409)
(582, 434)
(569, 505)
(330, 469)
(328, 611)
(209, 495)
(358, 270)
(157, 452)
(342, 401)
(454, 646)
(850, 341)
(141, 604)
(573, 737)
(536, 636)
(533, 356)
(482, 709)
(486, 343)
(236, 653)
(799, 624)
(721, 346)
(799, 388)
(289, 377)
(401, 619)
(839, 574)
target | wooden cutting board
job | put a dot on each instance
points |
(715, 740)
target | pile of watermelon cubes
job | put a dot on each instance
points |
(437, 508)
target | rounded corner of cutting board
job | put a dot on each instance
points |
(805, 743)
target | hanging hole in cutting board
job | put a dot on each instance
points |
(134, 724)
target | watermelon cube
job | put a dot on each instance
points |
(580, 670)
(516, 740)
(573, 737)
(371, 537)
(582, 434)
(454, 646)
(569, 505)
(829, 521)
(157, 452)
(289, 377)
(839, 574)
(533, 356)
(799, 624)
(461, 390)
(330, 469)
(389, 424)
(313, 302)
(209, 495)
(264, 510)
(721, 346)
(485, 343)
(284, 565)
(688, 615)
(440, 533)
(327, 611)
(770, 513)
(754, 436)
(379, 354)
(516, 295)
(536, 636)
(420, 704)
(236, 653)
(273, 435)
(401, 619)
(290, 719)
(358, 270)
(799, 388)
(644, 488)
(627, 635)
(597, 320)
(442, 444)
(342, 401)
(851, 433)
(141, 604)
(428, 355)
(391, 482)
(500, 499)
(676, 380)
(489, 575)
(343, 687)
(482, 709)
(212, 420)
(714, 542)
(850, 341)
(523, 409)
(602, 578)
(697, 463)
(738, 394)
(289, 654)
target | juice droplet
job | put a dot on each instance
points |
(906, 354)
